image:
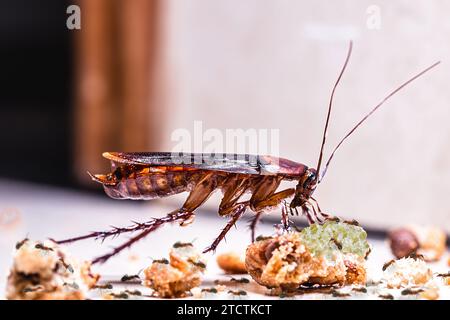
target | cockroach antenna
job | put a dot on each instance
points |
(392, 93)
(330, 106)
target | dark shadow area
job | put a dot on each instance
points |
(35, 96)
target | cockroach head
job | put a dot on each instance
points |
(305, 187)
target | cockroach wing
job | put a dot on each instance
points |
(233, 163)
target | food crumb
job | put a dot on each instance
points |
(177, 276)
(231, 263)
(43, 271)
(430, 294)
(286, 262)
(406, 272)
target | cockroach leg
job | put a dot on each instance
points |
(324, 215)
(115, 231)
(307, 213)
(316, 215)
(152, 226)
(253, 222)
(237, 213)
(284, 216)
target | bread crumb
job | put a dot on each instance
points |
(406, 272)
(175, 278)
(432, 242)
(231, 263)
(43, 271)
(430, 294)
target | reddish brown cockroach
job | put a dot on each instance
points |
(149, 175)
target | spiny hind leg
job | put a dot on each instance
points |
(199, 194)
(236, 214)
(145, 229)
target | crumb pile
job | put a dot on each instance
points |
(42, 271)
(407, 272)
(330, 254)
(176, 276)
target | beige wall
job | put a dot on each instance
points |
(271, 64)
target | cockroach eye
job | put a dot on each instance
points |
(118, 174)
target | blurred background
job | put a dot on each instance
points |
(136, 71)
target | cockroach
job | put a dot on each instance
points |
(150, 175)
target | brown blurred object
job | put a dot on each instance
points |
(231, 263)
(403, 242)
(116, 59)
(430, 242)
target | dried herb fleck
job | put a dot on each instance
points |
(387, 264)
(262, 238)
(368, 252)
(33, 289)
(386, 296)
(360, 289)
(352, 222)
(133, 292)
(443, 275)
(241, 280)
(179, 244)
(409, 291)
(21, 243)
(163, 261)
(238, 293)
(42, 247)
(336, 293)
(130, 277)
(337, 243)
(197, 263)
(210, 290)
(66, 265)
(414, 255)
(72, 285)
(120, 295)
